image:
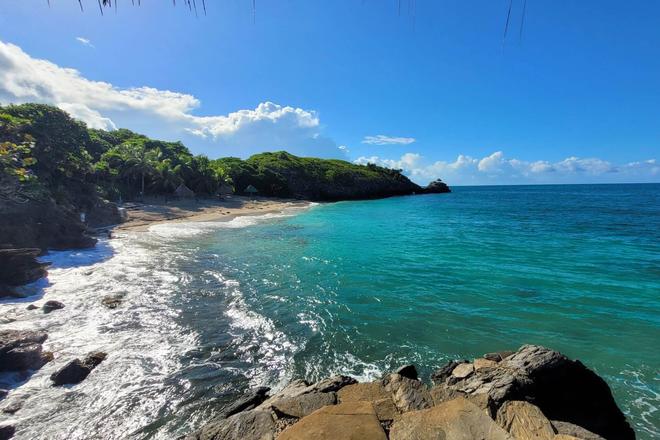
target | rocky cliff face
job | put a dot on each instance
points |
(18, 267)
(532, 394)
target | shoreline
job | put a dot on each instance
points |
(157, 211)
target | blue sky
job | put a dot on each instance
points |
(435, 90)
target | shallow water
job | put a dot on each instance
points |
(354, 287)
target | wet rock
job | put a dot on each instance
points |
(21, 350)
(349, 420)
(31, 307)
(19, 266)
(524, 421)
(462, 371)
(51, 305)
(112, 301)
(407, 394)
(7, 431)
(249, 401)
(441, 374)
(303, 405)
(457, 419)
(563, 389)
(247, 425)
(12, 407)
(3, 393)
(408, 371)
(76, 370)
(569, 429)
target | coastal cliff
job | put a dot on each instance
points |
(533, 393)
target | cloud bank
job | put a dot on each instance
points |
(160, 113)
(497, 169)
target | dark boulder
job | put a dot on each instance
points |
(250, 400)
(76, 370)
(103, 214)
(21, 350)
(408, 371)
(19, 266)
(51, 305)
(7, 431)
(562, 388)
(31, 307)
(112, 301)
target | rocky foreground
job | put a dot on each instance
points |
(532, 394)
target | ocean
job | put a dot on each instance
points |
(212, 309)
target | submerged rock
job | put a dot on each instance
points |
(21, 350)
(112, 301)
(51, 305)
(76, 370)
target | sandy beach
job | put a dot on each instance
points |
(153, 211)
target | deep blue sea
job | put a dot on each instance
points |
(358, 288)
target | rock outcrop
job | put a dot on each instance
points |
(21, 350)
(76, 370)
(19, 266)
(52, 305)
(561, 388)
(532, 394)
(436, 187)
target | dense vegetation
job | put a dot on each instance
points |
(46, 153)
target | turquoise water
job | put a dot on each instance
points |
(362, 287)
(211, 309)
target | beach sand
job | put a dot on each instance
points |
(153, 211)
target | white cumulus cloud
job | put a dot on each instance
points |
(159, 113)
(381, 139)
(496, 168)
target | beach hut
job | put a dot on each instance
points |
(183, 192)
(251, 190)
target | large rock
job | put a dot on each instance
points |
(407, 394)
(247, 425)
(18, 267)
(250, 400)
(51, 305)
(441, 374)
(303, 405)
(21, 350)
(436, 187)
(346, 421)
(524, 421)
(569, 429)
(76, 370)
(457, 419)
(7, 431)
(408, 371)
(371, 392)
(563, 389)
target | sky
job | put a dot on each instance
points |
(431, 87)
